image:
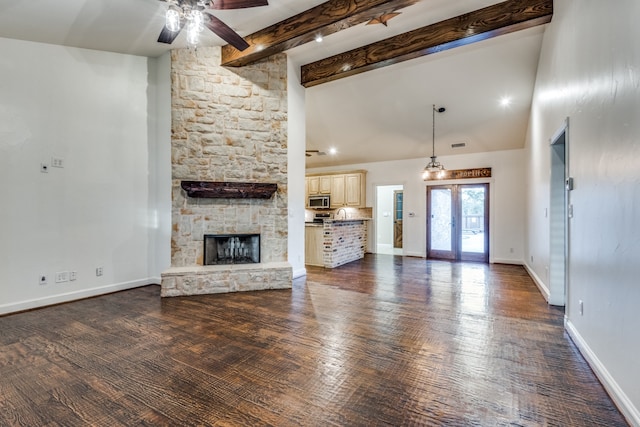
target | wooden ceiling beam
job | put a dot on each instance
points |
(482, 24)
(324, 19)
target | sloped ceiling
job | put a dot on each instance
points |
(379, 115)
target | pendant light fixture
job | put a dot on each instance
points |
(434, 166)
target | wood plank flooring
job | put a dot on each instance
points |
(382, 341)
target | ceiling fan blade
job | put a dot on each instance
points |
(236, 4)
(167, 36)
(225, 32)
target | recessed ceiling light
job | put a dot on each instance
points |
(319, 38)
(505, 101)
(332, 151)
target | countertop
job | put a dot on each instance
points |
(320, 224)
(348, 219)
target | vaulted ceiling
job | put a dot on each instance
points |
(382, 114)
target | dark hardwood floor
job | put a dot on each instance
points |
(382, 341)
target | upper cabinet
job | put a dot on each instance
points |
(318, 185)
(337, 191)
(346, 189)
(354, 190)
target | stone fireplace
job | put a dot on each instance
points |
(229, 174)
(224, 249)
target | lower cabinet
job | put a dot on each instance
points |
(313, 245)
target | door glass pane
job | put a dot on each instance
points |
(440, 232)
(473, 202)
(398, 206)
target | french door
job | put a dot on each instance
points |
(458, 222)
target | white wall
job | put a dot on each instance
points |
(159, 146)
(89, 108)
(589, 71)
(296, 168)
(507, 199)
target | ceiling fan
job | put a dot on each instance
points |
(309, 153)
(192, 15)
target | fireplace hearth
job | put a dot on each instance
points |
(223, 249)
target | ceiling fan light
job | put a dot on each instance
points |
(196, 19)
(172, 19)
(193, 36)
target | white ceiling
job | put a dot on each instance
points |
(379, 115)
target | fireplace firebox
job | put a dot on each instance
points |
(221, 249)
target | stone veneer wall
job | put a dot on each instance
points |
(343, 242)
(228, 124)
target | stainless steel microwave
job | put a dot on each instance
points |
(319, 202)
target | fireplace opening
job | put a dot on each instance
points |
(221, 249)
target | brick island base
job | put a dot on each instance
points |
(216, 279)
(343, 241)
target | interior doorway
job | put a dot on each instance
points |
(559, 213)
(389, 219)
(458, 222)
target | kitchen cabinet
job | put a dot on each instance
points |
(313, 185)
(354, 190)
(347, 189)
(314, 245)
(318, 185)
(337, 191)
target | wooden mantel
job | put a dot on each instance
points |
(229, 190)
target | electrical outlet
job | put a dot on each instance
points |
(73, 275)
(42, 279)
(99, 271)
(44, 168)
(62, 276)
(531, 258)
(57, 162)
(581, 307)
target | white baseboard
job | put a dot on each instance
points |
(622, 401)
(72, 296)
(544, 290)
(299, 273)
(506, 261)
(155, 280)
(414, 254)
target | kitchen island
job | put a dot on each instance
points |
(335, 242)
